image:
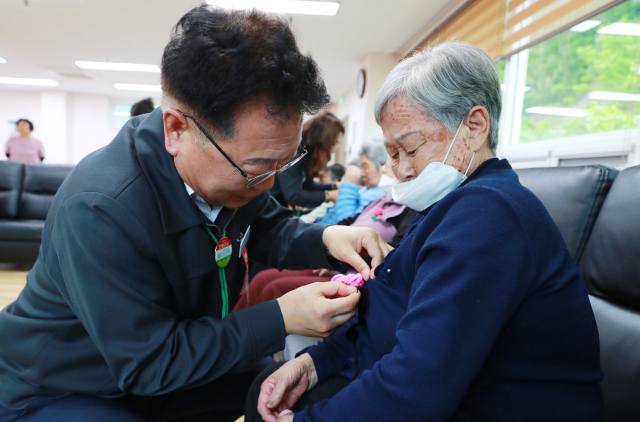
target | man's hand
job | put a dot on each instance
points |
(284, 387)
(352, 174)
(347, 244)
(318, 309)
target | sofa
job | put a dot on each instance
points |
(597, 210)
(26, 193)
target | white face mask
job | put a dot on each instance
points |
(386, 183)
(433, 184)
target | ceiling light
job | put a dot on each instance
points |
(28, 81)
(558, 111)
(585, 26)
(2, 60)
(127, 67)
(138, 87)
(613, 96)
(620, 28)
(282, 6)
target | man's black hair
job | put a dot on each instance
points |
(337, 171)
(217, 59)
(142, 107)
(27, 121)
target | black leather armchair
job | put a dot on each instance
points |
(598, 215)
(26, 193)
(610, 267)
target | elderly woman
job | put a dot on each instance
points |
(480, 313)
(352, 198)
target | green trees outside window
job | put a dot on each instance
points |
(584, 75)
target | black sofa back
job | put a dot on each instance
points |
(26, 194)
(573, 196)
(41, 182)
(610, 267)
(11, 175)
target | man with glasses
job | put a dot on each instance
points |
(125, 315)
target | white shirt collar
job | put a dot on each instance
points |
(210, 212)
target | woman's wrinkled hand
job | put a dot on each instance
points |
(284, 387)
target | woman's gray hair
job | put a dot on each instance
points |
(445, 82)
(375, 151)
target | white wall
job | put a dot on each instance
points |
(90, 125)
(70, 125)
(358, 112)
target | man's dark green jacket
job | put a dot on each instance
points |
(125, 296)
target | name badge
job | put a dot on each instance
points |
(223, 252)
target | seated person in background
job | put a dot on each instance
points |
(332, 174)
(480, 314)
(142, 107)
(296, 186)
(352, 198)
(384, 215)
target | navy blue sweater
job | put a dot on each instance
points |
(480, 314)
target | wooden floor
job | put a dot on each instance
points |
(12, 283)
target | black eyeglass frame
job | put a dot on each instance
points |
(251, 181)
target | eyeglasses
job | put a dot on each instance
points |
(251, 181)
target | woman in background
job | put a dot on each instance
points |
(296, 186)
(353, 198)
(24, 148)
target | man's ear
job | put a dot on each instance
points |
(175, 125)
(479, 124)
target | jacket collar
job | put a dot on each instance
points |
(177, 210)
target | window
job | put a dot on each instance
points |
(121, 113)
(576, 95)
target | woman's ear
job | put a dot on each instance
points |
(479, 124)
(175, 125)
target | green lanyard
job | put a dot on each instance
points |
(222, 277)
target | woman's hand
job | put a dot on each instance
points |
(352, 175)
(284, 387)
(330, 195)
(286, 416)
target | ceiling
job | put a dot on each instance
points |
(43, 38)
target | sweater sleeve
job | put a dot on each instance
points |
(336, 352)
(472, 273)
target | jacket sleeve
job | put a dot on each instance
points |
(293, 192)
(462, 296)
(279, 241)
(311, 184)
(116, 287)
